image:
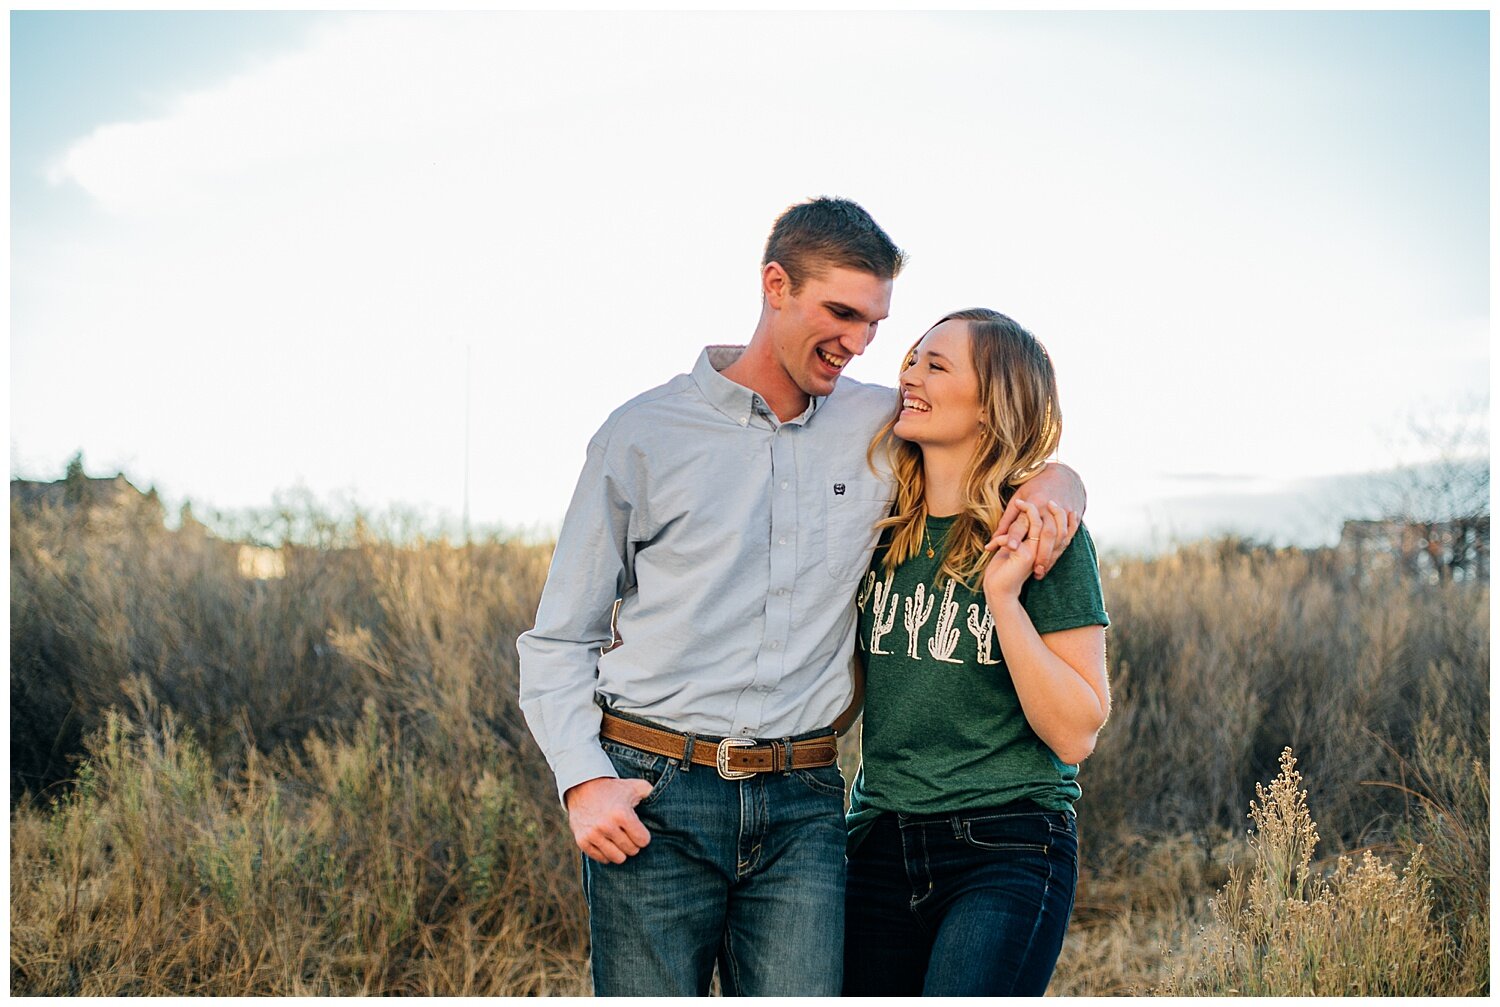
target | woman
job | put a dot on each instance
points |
(984, 688)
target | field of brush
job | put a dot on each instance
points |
(321, 783)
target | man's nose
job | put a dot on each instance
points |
(858, 338)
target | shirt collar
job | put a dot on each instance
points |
(730, 398)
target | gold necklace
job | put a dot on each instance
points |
(927, 533)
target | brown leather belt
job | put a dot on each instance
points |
(734, 758)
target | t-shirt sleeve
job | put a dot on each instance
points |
(1070, 595)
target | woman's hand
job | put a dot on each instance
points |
(1054, 484)
(1009, 568)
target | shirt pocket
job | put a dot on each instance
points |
(849, 527)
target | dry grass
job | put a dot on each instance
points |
(322, 784)
(1281, 928)
(353, 871)
(1223, 654)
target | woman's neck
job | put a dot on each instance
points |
(943, 478)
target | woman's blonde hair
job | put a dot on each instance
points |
(1020, 429)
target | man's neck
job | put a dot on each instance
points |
(943, 475)
(758, 371)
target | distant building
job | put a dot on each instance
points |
(258, 562)
(1441, 550)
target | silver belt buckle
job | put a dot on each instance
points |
(723, 758)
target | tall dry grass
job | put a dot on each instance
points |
(1283, 928)
(322, 784)
(1224, 653)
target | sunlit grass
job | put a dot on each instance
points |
(320, 783)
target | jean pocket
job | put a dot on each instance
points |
(1031, 833)
(634, 764)
(825, 780)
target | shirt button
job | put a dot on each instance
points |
(782, 540)
(775, 644)
(745, 731)
(784, 484)
(783, 592)
(744, 420)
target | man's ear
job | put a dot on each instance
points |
(775, 284)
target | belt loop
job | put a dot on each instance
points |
(958, 832)
(786, 770)
(687, 752)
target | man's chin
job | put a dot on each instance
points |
(819, 385)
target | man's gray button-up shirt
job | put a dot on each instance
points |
(734, 543)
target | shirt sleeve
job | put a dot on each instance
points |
(1070, 595)
(559, 656)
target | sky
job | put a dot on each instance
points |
(362, 254)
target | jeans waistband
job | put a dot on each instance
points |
(1025, 806)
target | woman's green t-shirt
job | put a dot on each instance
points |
(943, 727)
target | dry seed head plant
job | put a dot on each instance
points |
(320, 782)
(1282, 929)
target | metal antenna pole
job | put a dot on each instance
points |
(468, 350)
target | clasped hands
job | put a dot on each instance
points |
(1027, 543)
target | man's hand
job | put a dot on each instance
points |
(602, 814)
(1057, 495)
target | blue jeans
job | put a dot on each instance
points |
(974, 903)
(748, 874)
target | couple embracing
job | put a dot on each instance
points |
(765, 526)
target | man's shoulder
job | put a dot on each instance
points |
(873, 403)
(647, 410)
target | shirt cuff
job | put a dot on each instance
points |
(581, 766)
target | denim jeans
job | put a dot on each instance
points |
(974, 903)
(746, 873)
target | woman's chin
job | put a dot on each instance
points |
(903, 430)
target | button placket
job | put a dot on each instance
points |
(771, 660)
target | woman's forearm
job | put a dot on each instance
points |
(1064, 709)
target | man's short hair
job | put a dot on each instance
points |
(810, 237)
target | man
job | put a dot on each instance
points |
(730, 511)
